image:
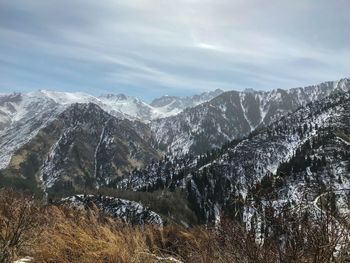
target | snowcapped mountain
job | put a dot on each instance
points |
(130, 107)
(275, 156)
(82, 147)
(22, 115)
(134, 108)
(233, 115)
(189, 124)
(297, 164)
(173, 105)
(70, 141)
(15, 106)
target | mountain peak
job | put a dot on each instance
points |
(119, 96)
(181, 103)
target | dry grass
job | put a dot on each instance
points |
(79, 236)
(70, 236)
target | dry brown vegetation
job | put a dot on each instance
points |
(61, 235)
(79, 236)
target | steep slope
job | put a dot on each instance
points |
(159, 108)
(172, 105)
(130, 107)
(84, 147)
(234, 115)
(14, 106)
(7, 108)
(226, 179)
(195, 130)
(23, 115)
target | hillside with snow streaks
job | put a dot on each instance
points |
(174, 105)
(73, 145)
(23, 115)
(83, 147)
(226, 179)
(234, 115)
(273, 156)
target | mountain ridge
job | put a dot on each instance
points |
(54, 121)
(234, 114)
(225, 179)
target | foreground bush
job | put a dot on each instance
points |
(55, 234)
(21, 221)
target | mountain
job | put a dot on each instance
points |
(15, 106)
(284, 181)
(174, 105)
(277, 163)
(50, 141)
(273, 166)
(130, 107)
(161, 107)
(299, 163)
(83, 147)
(233, 115)
(195, 128)
(22, 115)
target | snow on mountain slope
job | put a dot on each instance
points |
(14, 106)
(83, 147)
(94, 143)
(132, 107)
(22, 115)
(234, 114)
(172, 105)
(312, 142)
(159, 108)
(195, 130)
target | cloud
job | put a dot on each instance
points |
(171, 47)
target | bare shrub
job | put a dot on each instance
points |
(20, 220)
(75, 235)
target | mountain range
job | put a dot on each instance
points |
(237, 153)
(30, 112)
(292, 160)
(234, 114)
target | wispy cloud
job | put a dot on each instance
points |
(152, 47)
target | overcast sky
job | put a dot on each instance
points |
(150, 48)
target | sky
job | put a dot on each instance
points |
(149, 48)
